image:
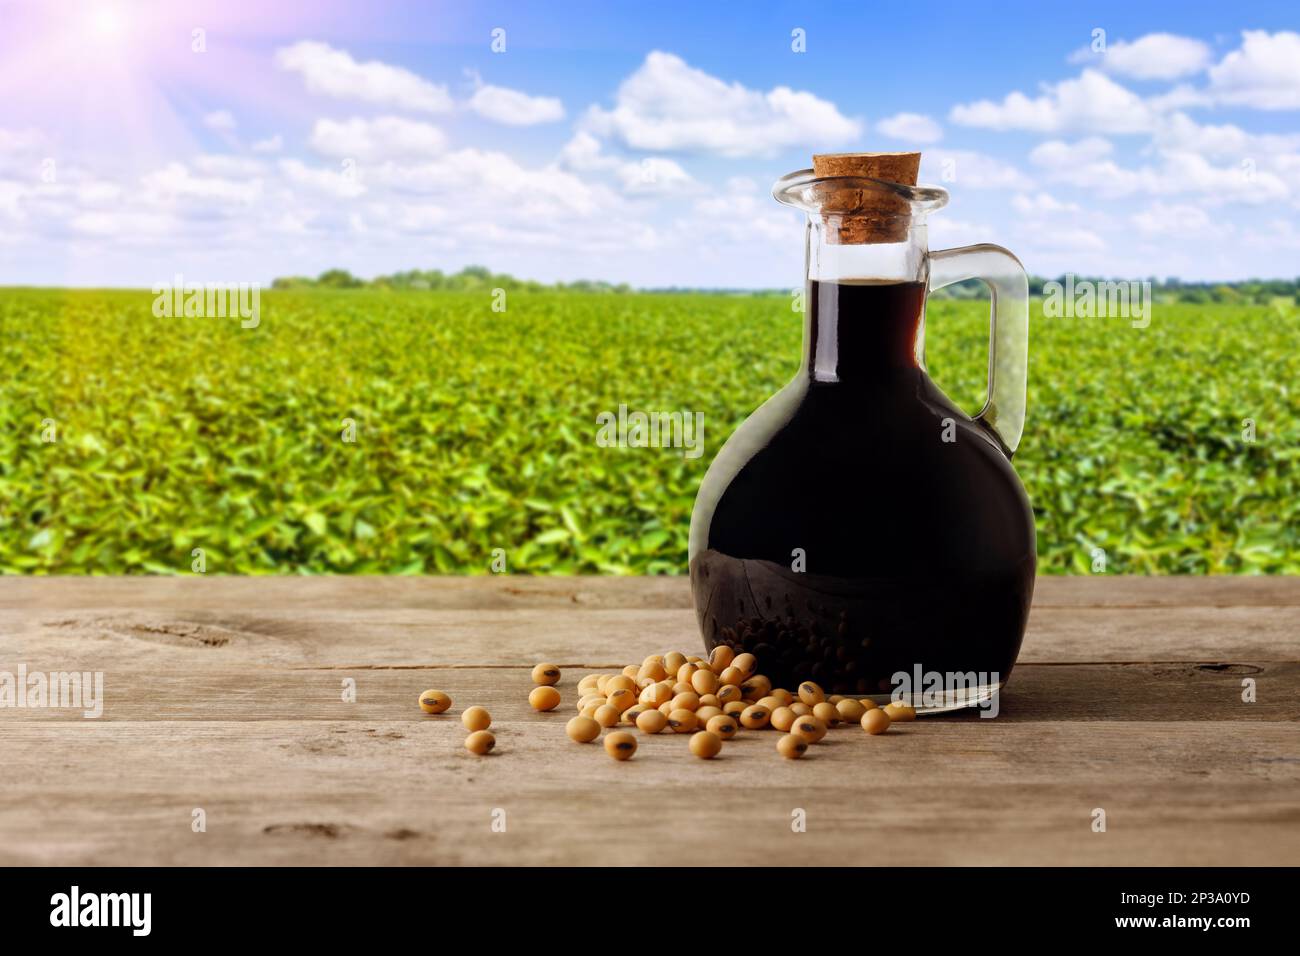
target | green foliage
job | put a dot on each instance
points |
(469, 279)
(476, 430)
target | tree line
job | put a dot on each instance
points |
(474, 278)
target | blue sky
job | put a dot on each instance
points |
(632, 142)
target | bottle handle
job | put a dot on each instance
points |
(1004, 412)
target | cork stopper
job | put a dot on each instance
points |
(861, 216)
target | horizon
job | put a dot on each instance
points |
(235, 143)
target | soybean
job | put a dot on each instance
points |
(704, 714)
(899, 711)
(607, 715)
(875, 721)
(704, 682)
(745, 662)
(783, 697)
(732, 675)
(810, 728)
(546, 674)
(651, 722)
(476, 718)
(782, 719)
(827, 713)
(683, 721)
(720, 658)
(723, 725)
(656, 694)
(544, 698)
(687, 700)
(811, 694)
(621, 682)
(480, 742)
(706, 745)
(755, 717)
(621, 699)
(791, 746)
(620, 744)
(850, 710)
(582, 729)
(434, 702)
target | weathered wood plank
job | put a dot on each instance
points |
(390, 792)
(225, 694)
(1096, 692)
(307, 637)
(501, 592)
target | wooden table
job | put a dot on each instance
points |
(225, 695)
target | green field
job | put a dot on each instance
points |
(475, 430)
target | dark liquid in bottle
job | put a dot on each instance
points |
(874, 528)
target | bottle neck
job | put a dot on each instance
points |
(865, 307)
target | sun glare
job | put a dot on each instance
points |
(107, 21)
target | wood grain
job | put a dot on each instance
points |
(326, 592)
(393, 791)
(226, 694)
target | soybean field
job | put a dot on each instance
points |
(405, 432)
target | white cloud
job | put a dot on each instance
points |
(1040, 204)
(221, 120)
(514, 108)
(20, 140)
(741, 211)
(175, 181)
(11, 196)
(329, 182)
(1180, 132)
(653, 174)
(971, 170)
(385, 137)
(335, 73)
(1087, 165)
(492, 184)
(1156, 56)
(1071, 240)
(1090, 103)
(1264, 73)
(946, 232)
(272, 144)
(119, 226)
(1164, 219)
(911, 127)
(232, 167)
(669, 105)
(1055, 154)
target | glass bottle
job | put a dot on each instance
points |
(859, 529)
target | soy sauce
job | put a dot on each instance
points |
(860, 523)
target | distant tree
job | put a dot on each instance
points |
(338, 279)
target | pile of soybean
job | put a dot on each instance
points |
(711, 700)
